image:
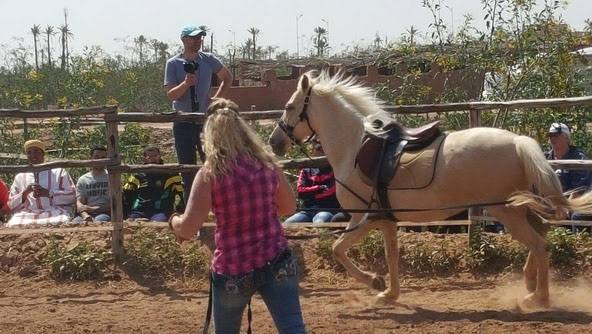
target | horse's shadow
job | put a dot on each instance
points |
(421, 315)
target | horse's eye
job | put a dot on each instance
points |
(289, 107)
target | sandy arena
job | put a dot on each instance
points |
(31, 302)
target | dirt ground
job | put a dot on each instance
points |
(31, 302)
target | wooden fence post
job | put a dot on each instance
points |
(474, 121)
(115, 192)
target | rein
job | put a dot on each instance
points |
(369, 211)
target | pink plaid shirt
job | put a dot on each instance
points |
(248, 232)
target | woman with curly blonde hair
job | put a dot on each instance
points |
(246, 190)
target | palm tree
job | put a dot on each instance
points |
(36, 31)
(255, 32)
(320, 40)
(49, 32)
(588, 27)
(412, 32)
(140, 42)
(163, 49)
(247, 48)
(155, 44)
(270, 50)
(66, 35)
(377, 41)
(206, 29)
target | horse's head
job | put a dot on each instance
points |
(294, 125)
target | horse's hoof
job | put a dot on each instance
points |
(532, 301)
(531, 285)
(378, 283)
(387, 297)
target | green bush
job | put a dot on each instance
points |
(159, 253)
(490, 253)
(370, 248)
(564, 253)
(83, 262)
(431, 258)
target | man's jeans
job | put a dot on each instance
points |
(101, 217)
(310, 216)
(187, 142)
(277, 283)
(154, 216)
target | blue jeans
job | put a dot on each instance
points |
(155, 216)
(276, 282)
(187, 142)
(101, 217)
(577, 216)
(310, 216)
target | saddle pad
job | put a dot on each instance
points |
(415, 169)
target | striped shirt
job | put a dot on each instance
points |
(53, 210)
(248, 232)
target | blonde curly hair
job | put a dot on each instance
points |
(227, 136)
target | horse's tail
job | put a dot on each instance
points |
(546, 196)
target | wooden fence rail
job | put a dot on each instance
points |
(113, 163)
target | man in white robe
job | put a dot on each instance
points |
(43, 198)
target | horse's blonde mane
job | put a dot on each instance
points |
(346, 90)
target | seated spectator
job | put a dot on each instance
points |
(152, 195)
(316, 189)
(340, 217)
(572, 180)
(3, 201)
(40, 198)
(92, 192)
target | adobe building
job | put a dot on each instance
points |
(273, 91)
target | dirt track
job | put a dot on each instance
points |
(448, 305)
(31, 302)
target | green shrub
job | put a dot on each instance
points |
(564, 254)
(324, 248)
(370, 248)
(83, 262)
(431, 258)
(159, 253)
(489, 253)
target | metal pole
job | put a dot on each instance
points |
(297, 37)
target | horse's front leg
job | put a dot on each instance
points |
(345, 242)
(391, 251)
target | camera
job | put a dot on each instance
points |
(190, 66)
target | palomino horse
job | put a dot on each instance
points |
(474, 166)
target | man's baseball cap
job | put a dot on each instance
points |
(559, 128)
(191, 30)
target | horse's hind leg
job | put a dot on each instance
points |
(345, 242)
(530, 268)
(516, 222)
(391, 252)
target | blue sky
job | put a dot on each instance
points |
(113, 24)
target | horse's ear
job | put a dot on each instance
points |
(304, 82)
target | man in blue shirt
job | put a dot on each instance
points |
(576, 180)
(179, 85)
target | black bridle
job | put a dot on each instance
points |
(289, 129)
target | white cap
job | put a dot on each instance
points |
(559, 128)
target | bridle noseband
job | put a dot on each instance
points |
(289, 129)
